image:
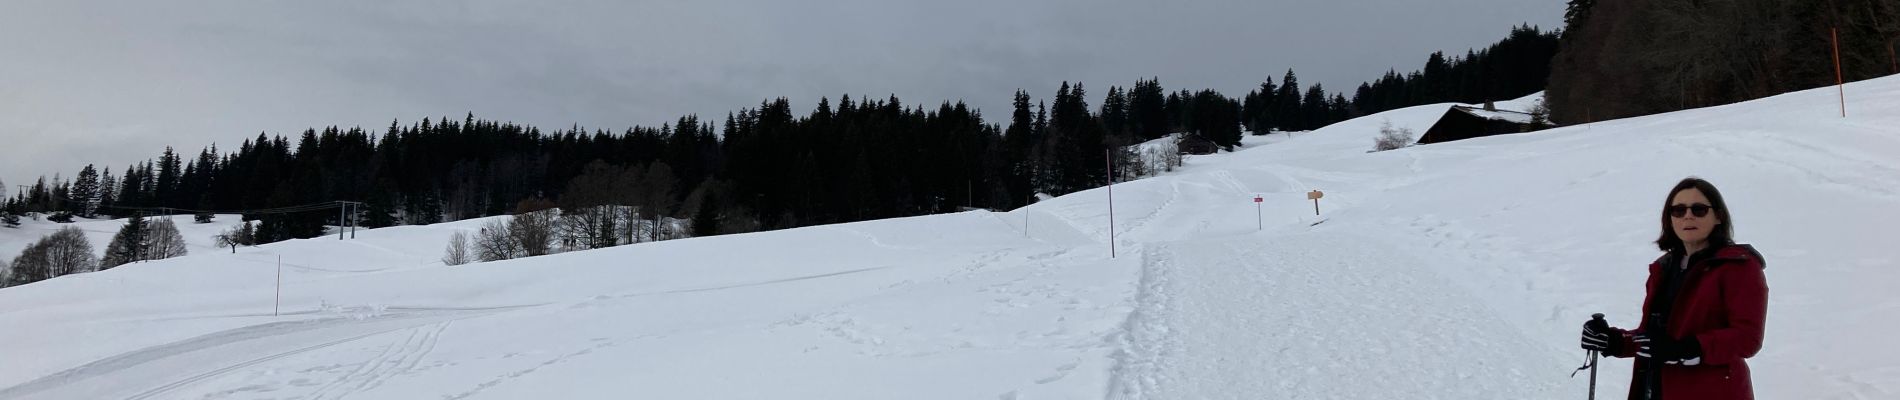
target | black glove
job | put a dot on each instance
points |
(1686, 351)
(1597, 335)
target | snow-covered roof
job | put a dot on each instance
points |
(1500, 115)
(1521, 104)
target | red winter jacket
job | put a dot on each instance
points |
(1722, 303)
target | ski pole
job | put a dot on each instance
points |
(1593, 362)
(1590, 363)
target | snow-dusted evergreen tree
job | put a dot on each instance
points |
(11, 216)
(85, 193)
(126, 246)
(108, 192)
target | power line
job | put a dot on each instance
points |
(326, 205)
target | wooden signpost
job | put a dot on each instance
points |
(1314, 196)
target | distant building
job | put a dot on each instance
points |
(1194, 143)
(1465, 122)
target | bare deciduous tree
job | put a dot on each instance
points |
(458, 251)
(62, 253)
(163, 240)
(241, 235)
(494, 243)
(533, 232)
(1392, 138)
(588, 216)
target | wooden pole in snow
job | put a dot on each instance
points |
(279, 298)
(1835, 35)
(1111, 201)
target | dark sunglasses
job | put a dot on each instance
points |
(1700, 210)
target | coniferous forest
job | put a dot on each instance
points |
(1706, 53)
(769, 166)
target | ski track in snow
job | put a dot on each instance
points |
(396, 358)
(1267, 316)
(157, 372)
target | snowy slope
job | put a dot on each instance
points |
(100, 231)
(1452, 270)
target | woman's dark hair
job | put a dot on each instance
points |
(1724, 232)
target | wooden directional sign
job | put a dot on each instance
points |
(1315, 195)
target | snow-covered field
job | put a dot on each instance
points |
(99, 232)
(1455, 270)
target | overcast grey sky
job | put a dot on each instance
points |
(111, 83)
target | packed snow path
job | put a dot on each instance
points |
(1312, 315)
(1454, 270)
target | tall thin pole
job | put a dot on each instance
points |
(1835, 35)
(1593, 355)
(353, 223)
(279, 298)
(1111, 201)
(341, 206)
(1593, 373)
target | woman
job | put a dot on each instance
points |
(1703, 314)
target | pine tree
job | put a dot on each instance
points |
(1115, 112)
(1314, 112)
(1147, 110)
(1288, 104)
(1214, 117)
(9, 214)
(85, 192)
(128, 245)
(1256, 110)
(60, 191)
(165, 188)
(1575, 12)
(706, 219)
(129, 189)
(37, 197)
(108, 193)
